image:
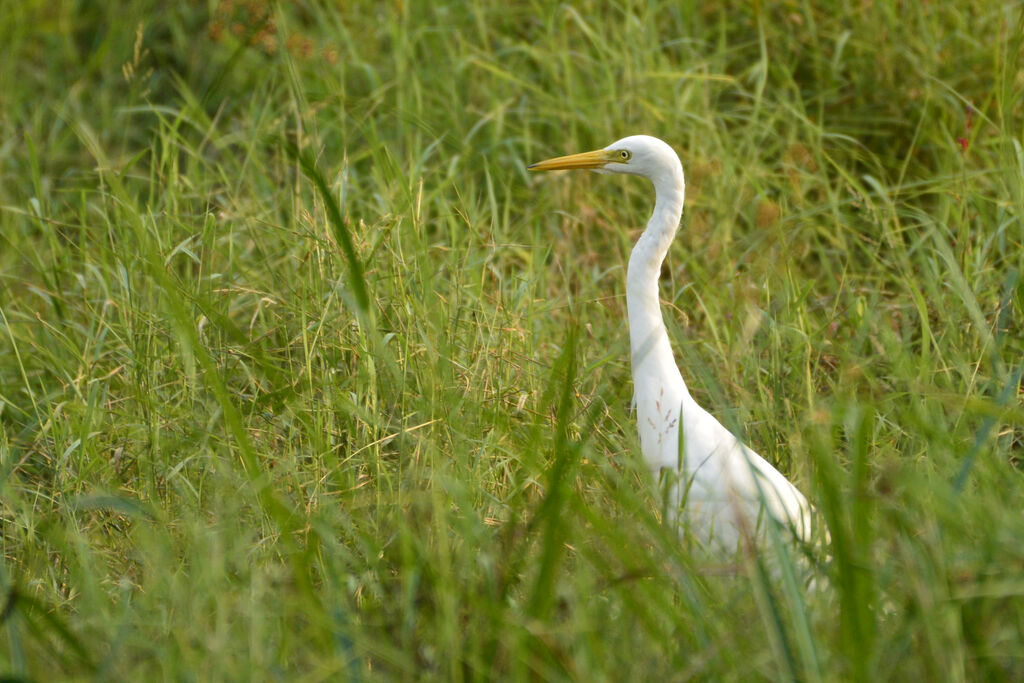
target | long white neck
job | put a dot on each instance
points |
(648, 339)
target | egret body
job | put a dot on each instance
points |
(722, 487)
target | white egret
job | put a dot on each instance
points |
(722, 486)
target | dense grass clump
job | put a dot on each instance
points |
(303, 377)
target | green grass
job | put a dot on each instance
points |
(304, 377)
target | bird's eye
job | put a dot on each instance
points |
(625, 155)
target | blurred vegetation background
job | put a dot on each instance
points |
(218, 463)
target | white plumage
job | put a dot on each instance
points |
(722, 487)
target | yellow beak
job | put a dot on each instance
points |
(596, 159)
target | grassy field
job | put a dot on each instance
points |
(304, 377)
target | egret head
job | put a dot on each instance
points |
(641, 155)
